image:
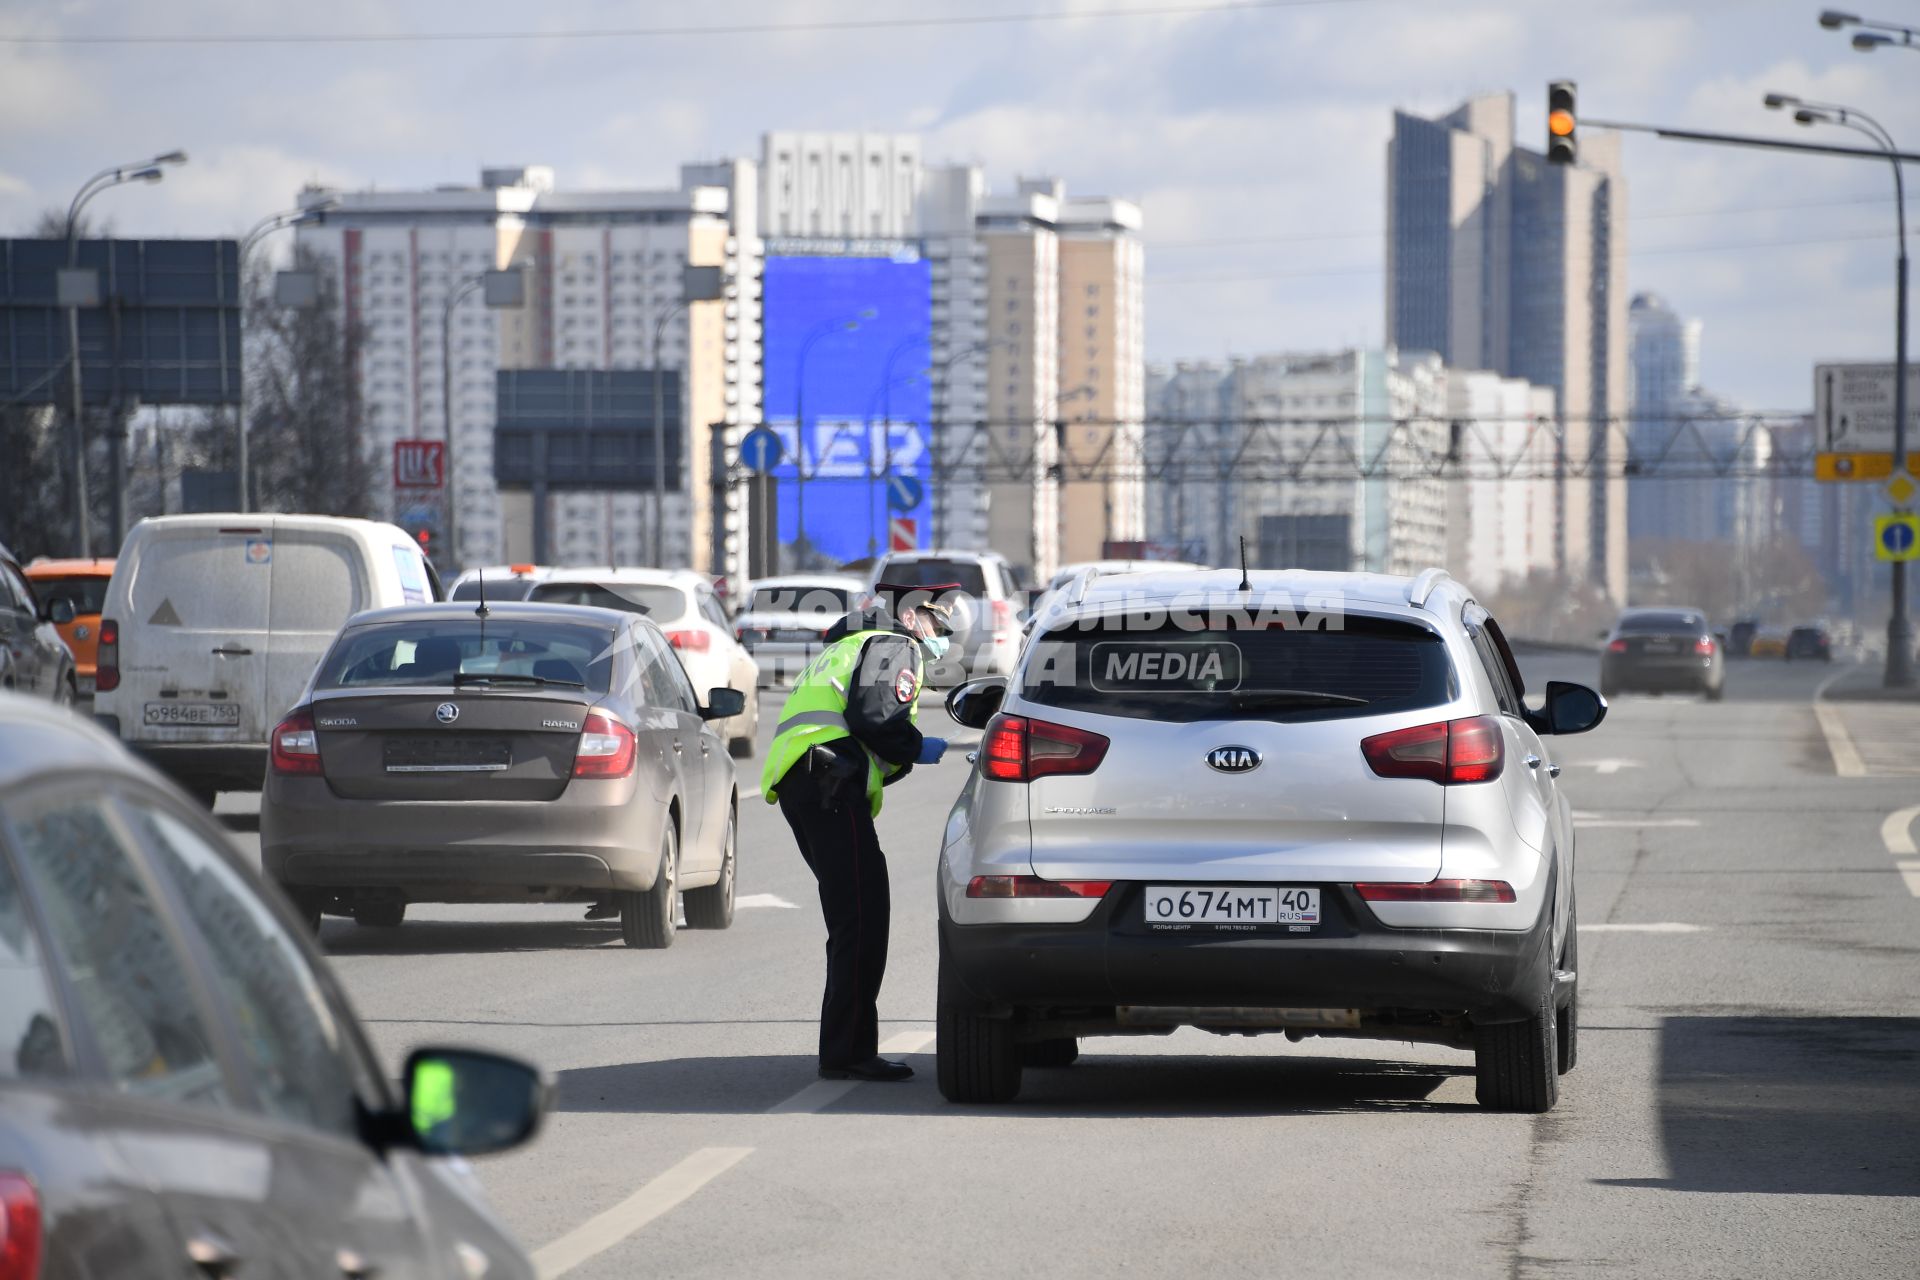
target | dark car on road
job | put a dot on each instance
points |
(1810, 642)
(1740, 637)
(511, 753)
(1663, 650)
(33, 657)
(183, 1089)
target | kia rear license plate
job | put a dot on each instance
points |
(1231, 905)
(210, 713)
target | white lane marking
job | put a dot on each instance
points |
(753, 900)
(1585, 823)
(822, 1094)
(1846, 757)
(1897, 831)
(1657, 926)
(1612, 764)
(600, 1233)
(751, 793)
(1910, 872)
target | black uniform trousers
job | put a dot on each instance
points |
(844, 855)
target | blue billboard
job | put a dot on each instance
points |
(845, 346)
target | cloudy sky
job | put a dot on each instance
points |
(1253, 134)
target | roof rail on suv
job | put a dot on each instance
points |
(1423, 586)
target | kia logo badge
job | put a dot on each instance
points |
(446, 713)
(1233, 759)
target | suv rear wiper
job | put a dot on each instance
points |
(494, 677)
(1289, 699)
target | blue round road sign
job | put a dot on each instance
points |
(1897, 538)
(904, 491)
(761, 450)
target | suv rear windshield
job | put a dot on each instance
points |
(628, 597)
(1654, 623)
(799, 599)
(930, 572)
(504, 588)
(1353, 666)
(434, 651)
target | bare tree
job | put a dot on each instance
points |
(306, 437)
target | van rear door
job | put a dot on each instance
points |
(194, 639)
(319, 581)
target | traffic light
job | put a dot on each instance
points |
(1562, 148)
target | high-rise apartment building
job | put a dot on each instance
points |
(1498, 260)
(603, 274)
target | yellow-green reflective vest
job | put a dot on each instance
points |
(816, 712)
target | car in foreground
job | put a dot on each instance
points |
(683, 604)
(986, 599)
(1243, 810)
(184, 1089)
(530, 753)
(82, 584)
(1663, 650)
(34, 659)
(785, 621)
(1813, 643)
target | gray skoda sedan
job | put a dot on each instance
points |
(504, 753)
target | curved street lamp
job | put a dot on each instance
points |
(77, 292)
(1899, 671)
(847, 325)
(1872, 33)
(303, 216)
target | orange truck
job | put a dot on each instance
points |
(84, 584)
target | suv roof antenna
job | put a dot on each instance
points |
(481, 611)
(1246, 584)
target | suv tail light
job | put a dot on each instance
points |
(694, 641)
(1002, 614)
(1617, 646)
(1449, 752)
(1019, 749)
(607, 748)
(1035, 887)
(1438, 891)
(295, 747)
(106, 674)
(20, 1227)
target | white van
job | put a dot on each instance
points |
(214, 622)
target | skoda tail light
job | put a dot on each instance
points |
(295, 748)
(1449, 752)
(607, 748)
(1020, 749)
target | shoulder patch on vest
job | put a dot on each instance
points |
(905, 686)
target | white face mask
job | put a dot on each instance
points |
(935, 647)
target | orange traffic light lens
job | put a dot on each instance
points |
(1560, 123)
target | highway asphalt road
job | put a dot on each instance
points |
(1747, 1101)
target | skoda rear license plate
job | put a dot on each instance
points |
(213, 713)
(1231, 904)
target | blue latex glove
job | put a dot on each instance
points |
(931, 749)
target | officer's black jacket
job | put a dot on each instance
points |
(880, 703)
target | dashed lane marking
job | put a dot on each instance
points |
(774, 900)
(824, 1093)
(1591, 822)
(1657, 926)
(668, 1191)
(1897, 831)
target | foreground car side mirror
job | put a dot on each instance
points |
(977, 701)
(60, 612)
(1570, 708)
(723, 704)
(466, 1102)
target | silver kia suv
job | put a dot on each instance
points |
(1308, 803)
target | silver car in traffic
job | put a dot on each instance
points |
(1305, 803)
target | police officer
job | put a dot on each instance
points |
(847, 730)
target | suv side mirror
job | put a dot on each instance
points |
(466, 1102)
(975, 702)
(60, 612)
(1570, 708)
(723, 704)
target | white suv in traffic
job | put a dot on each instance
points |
(1294, 802)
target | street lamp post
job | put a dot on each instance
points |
(1899, 670)
(885, 471)
(312, 213)
(937, 432)
(504, 288)
(1872, 33)
(800, 418)
(75, 295)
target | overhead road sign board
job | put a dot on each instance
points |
(1896, 537)
(1853, 406)
(1852, 466)
(583, 428)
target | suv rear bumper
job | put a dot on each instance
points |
(1353, 962)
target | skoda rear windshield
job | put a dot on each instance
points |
(493, 589)
(1234, 665)
(515, 652)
